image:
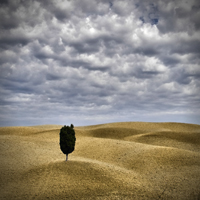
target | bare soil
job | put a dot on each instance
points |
(128, 160)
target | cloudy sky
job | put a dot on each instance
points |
(99, 61)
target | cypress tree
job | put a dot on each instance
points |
(67, 139)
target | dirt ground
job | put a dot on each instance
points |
(128, 160)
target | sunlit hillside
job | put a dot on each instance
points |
(129, 160)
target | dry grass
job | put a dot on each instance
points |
(132, 160)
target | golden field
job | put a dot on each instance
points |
(128, 160)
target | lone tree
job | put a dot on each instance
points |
(67, 139)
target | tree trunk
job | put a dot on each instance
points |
(66, 157)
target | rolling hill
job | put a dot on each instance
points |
(127, 160)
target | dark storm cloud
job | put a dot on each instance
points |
(98, 61)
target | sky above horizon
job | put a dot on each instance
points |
(95, 61)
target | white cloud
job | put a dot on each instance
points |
(97, 61)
